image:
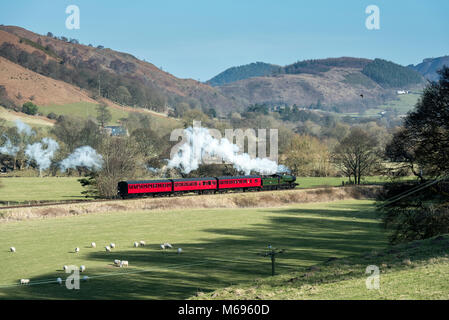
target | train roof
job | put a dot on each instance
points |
(146, 181)
(194, 179)
(238, 177)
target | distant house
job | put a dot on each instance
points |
(402, 92)
(116, 131)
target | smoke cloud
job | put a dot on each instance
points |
(8, 148)
(24, 128)
(83, 157)
(200, 143)
(42, 152)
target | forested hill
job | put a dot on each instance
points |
(257, 69)
(391, 75)
(429, 67)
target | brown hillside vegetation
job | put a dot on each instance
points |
(125, 64)
(24, 85)
(233, 200)
(338, 86)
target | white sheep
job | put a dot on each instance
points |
(117, 262)
(168, 245)
(136, 244)
(124, 263)
(12, 249)
(163, 246)
(82, 268)
(112, 245)
(77, 250)
(179, 250)
(142, 243)
(108, 249)
(24, 281)
(93, 245)
(59, 280)
(65, 268)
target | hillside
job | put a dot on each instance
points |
(429, 67)
(258, 69)
(417, 270)
(334, 84)
(118, 76)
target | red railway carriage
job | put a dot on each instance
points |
(146, 186)
(194, 184)
(239, 182)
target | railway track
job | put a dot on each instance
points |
(49, 204)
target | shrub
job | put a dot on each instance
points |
(29, 108)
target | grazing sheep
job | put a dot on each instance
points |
(82, 268)
(117, 262)
(59, 280)
(108, 249)
(142, 243)
(65, 268)
(179, 250)
(24, 281)
(124, 263)
(168, 245)
(77, 250)
(112, 245)
(136, 244)
(12, 249)
(93, 245)
(163, 246)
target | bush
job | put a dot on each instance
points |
(29, 108)
(52, 116)
(416, 216)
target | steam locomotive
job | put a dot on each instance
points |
(168, 187)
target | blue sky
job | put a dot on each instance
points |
(200, 38)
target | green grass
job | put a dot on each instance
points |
(86, 110)
(220, 248)
(313, 182)
(82, 110)
(417, 270)
(404, 104)
(39, 189)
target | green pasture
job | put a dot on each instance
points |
(221, 248)
(23, 189)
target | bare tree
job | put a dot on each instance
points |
(357, 155)
(103, 114)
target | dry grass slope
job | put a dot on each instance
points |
(236, 200)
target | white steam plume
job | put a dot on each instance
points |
(83, 157)
(8, 148)
(200, 143)
(24, 128)
(42, 152)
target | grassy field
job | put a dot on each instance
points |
(220, 248)
(11, 116)
(404, 104)
(82, 110)
(39, 189)
(417, 270)
(86, 110)
(68, 188)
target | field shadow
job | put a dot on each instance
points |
(309, 237)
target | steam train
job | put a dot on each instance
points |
(169, 187)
